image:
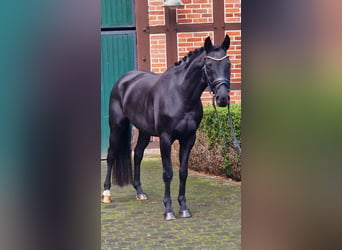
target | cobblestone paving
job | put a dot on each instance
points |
(214, 203)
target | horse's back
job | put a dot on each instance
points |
(134, 93)
(136, 78)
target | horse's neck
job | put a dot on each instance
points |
(192, 83)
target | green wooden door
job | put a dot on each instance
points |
(117, 13)
(118, 54)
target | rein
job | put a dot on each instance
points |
(216, 84)
(236, 142)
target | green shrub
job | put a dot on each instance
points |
(210, 153)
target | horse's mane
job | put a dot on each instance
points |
(190, 56)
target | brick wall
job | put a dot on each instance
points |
(156, 12)
(191, 40)
(158, 53)
(194, 12)
(232, 11)
(234, 53)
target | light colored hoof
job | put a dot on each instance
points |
(141, 197)
(169, 216)
(185, 213)
(106, 197)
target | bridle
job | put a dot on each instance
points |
(213, 87)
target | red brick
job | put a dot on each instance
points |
(232, 10)
(181, 55)
(157, 51)
(157, 37)
(184, 34)
(234, 20)
(201, 20)
(193, 16)
(203, 34)
(195, 39)
(185, 21)
(199, 11)
(200, 1)
(235, 43)
(157, 12)
(234, 33)
(183, 11)
(159, 65)
(185, 44)
(192, 6)
(206, 6)
(158, 46)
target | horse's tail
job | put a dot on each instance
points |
(122, 164)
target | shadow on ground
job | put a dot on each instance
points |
(214, 204)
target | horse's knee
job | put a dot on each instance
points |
(138, 155)
(183, 173)
(167, 175)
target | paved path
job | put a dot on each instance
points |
(214, 204)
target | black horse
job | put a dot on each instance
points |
(168, 106)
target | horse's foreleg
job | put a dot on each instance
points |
(165, 150)
(184, 152)
(142, 143)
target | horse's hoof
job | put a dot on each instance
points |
(169, 216)
(185, 213)
(106, 197)
(141, 197)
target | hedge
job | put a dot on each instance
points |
(210, 153)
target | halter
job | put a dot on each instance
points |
(216, 59)
(214, 85)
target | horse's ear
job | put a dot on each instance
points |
(207, 44)
(226, 43)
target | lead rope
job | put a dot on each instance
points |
(236, 143)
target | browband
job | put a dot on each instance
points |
(216, 59)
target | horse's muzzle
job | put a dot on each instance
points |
(222, 93)
(222, 101)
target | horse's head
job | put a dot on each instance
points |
(216, 70)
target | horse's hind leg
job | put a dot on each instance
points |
(106, 196)
(142, 143)
(184, 151)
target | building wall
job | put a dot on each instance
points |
(158, 53)
(232, 11)
(196, 12)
